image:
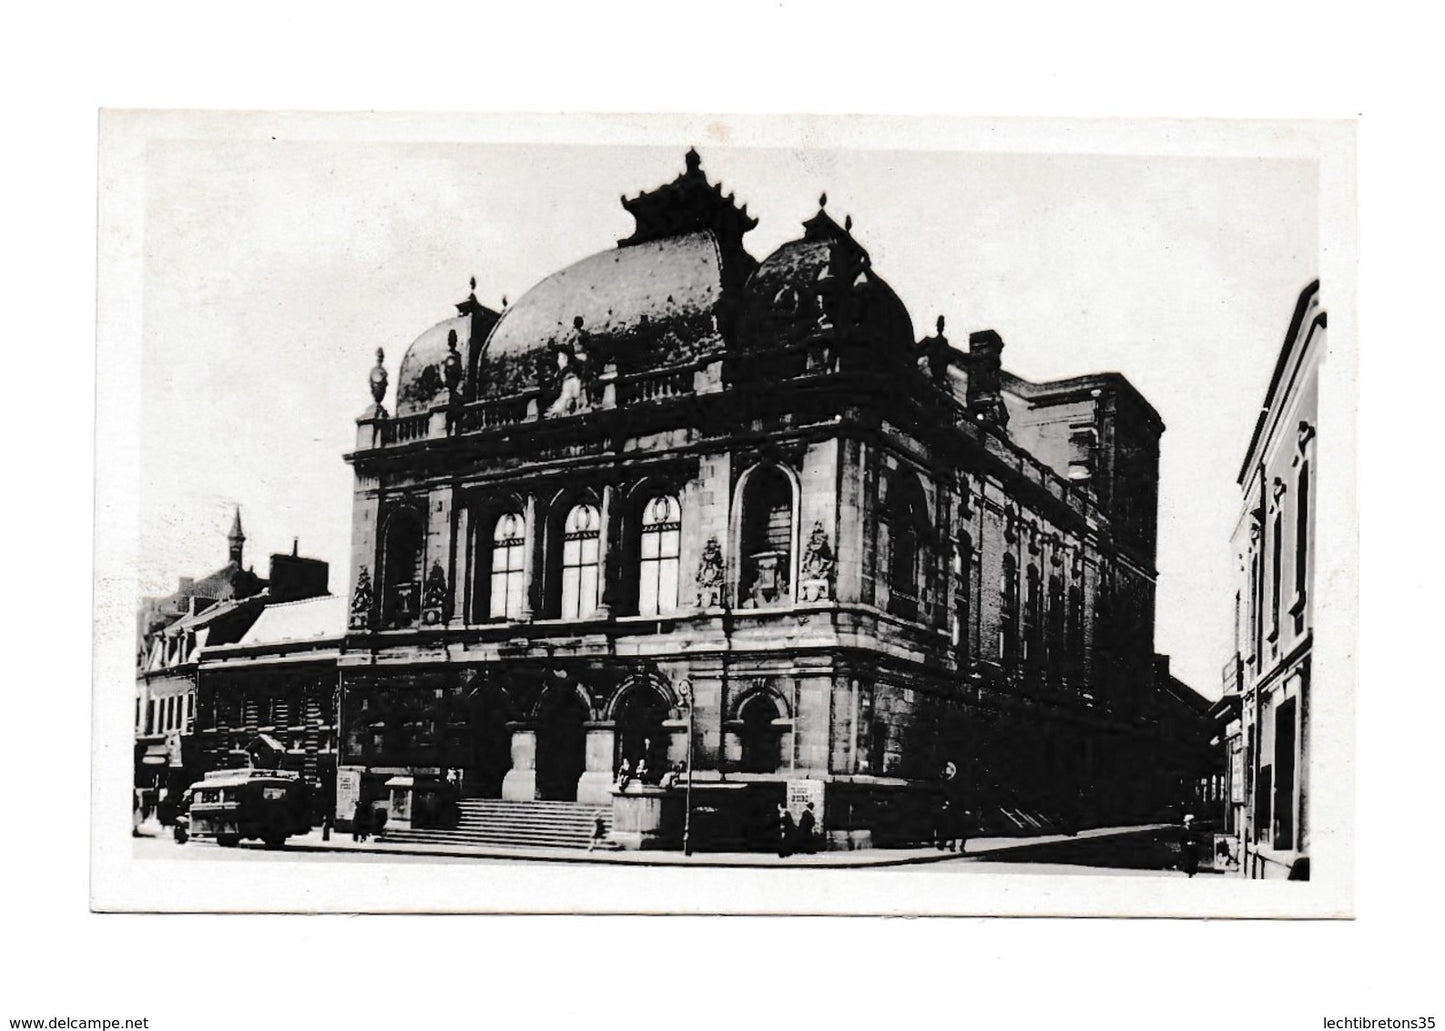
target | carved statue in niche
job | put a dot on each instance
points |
(361, 601)
(710, 575)
(434, 595)
(817, 568)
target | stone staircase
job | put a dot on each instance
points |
(517, 824)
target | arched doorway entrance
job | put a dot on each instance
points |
(760, 737)
(640, 733)
(561, 745)
(490, 738)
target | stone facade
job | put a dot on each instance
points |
(1267, 677)
(867, 555)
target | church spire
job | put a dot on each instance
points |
(236, 538)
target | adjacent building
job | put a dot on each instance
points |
(1266, 705)
(176, 737)
(678, 505)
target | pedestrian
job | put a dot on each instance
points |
(326, 824)
(599, 832)
(786, 830)
(806, 823)
(1188, 847)
(360, 821)
(942, 831)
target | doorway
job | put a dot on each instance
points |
(561, 746)
(1284, 770)
(640, 733)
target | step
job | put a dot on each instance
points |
(523, 823)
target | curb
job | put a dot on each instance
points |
(714, 860)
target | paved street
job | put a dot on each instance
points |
(1114, 852)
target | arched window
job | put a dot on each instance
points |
(508, 584)
(766, 572)
(1033, 619)
(1055, 636)
(658, 556)
(402, 565)
(1008, 627)
(906, 517)
(963, 598)
(580, 542)
(1075, 662)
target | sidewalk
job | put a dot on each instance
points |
(977, 848)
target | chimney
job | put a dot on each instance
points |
(985, 392)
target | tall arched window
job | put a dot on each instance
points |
(963, 598)
(658, 556)
(1055, 635)
(508, 586)
(580, 543)
(1008, 626)
(906, 517)
(766, 573)
(1075, 663)
(1033, 622)
(402, 569)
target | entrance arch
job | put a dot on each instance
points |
(489, 737)
(641, 735)
(561, 744)
(760, 736)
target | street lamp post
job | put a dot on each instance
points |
(685, 690)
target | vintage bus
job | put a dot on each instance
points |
(229, 805)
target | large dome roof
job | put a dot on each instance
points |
(421, 378)
(643, 305)
(823, 282)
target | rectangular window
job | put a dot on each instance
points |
(1301, 546)
(1276, 571)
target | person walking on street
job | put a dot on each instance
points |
(807, 822)
(1189, 848)
(599, 832)
(360, 821)
(786, 830)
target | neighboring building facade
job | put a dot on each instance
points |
(175, 635)
(674, 490)
(1267, 738)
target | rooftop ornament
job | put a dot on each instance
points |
(378, 378)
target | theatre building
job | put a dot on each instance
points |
(1266, 702)
(679, 506)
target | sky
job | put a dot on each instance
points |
(275, 264)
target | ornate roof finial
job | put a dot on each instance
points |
(378, 377)
(847, 223)
(236, 538)
(504, 300)
(577, 322)
(474, 282)
(694, 161)
(939, 324)
(823, 200)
